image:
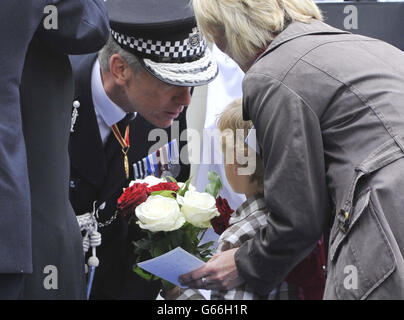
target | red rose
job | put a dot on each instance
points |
(221, 223)
(131, 198)
(164, 186)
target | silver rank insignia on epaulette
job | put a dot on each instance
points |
(75, 114)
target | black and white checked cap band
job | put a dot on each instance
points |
(187, 50)
(186, 62)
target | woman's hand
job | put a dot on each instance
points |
(219, 273)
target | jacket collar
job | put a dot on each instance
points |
(86, 149)
(299, 29)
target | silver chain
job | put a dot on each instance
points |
(95, 216)
(109, 221)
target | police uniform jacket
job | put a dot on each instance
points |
(97, 174)
(45, 91)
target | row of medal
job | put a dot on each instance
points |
(163, 162)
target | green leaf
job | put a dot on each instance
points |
(159, 247)
(206, 245)
(202, 234)
(185, 188)
(215, 184)
(164, 193)
(205, 250)
(203, 258)
(175, 238)
(142, 247)
(172, 179)
(145, 275)
(214, 177)
(188, 239)
(144, 244)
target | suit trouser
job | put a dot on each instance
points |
(11, 286)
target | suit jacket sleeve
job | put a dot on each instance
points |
(18, 23)
(83, 27)
(289, 134)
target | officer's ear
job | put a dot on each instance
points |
(119, 69)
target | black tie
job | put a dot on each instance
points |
(124, 122)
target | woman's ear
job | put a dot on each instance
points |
(119, 69)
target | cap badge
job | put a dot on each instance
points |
(194, 38)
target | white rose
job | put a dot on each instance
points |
(198, 208)
(150, 180)
(159, 213)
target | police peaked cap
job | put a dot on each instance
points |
(164, 36)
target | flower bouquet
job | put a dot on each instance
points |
(173, 214)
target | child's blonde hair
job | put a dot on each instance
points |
(231, 124)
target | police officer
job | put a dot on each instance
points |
(141, 81)
(39, 236)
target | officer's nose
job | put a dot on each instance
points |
(183, 96)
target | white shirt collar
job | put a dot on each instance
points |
(110, 112)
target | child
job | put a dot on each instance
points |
(252, 214)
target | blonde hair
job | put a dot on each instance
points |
(248, 26)
(231, 123)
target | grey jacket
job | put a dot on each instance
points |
(328, 107)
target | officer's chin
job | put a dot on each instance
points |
(162, 123)
(167, 124)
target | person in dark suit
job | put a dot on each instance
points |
(39, 235)
(128, 81)
(97, 174)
